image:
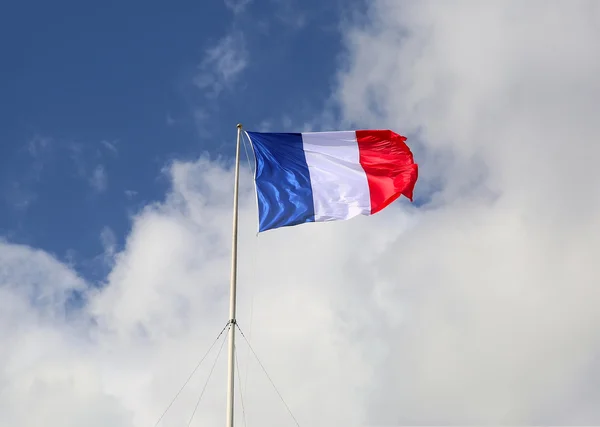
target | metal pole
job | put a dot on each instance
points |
(233, 283)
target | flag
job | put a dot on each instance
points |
(329, 176)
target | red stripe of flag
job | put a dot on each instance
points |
(389, 166)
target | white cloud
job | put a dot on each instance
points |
(165, 300)
(222, 64)
(499, 280)
(477, 309)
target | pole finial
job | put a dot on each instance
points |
(239, 125)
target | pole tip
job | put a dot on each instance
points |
(239, 125)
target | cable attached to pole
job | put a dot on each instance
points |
(191, 375)
(268, 377)
(208, 379)
(241, 394)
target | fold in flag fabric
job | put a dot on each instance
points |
(329, 176)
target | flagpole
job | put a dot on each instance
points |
(233, 284)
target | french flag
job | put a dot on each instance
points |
(329, 176)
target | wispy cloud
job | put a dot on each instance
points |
(289, 12)
(285, 15)
(82, 158)
(40, 151)
(108, 239)
(38, 145)
(19, 187)
(130, 193)
(18, 195)
(222, 64)
(98, 179)
(220, 69)
(237, 6)
(110, 146)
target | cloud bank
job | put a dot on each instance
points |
(479, 307)
(496, 285)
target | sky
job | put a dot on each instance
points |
(104, 97)
(475, 305)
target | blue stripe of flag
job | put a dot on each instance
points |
(283, 185)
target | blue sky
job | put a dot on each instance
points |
(98, 98)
